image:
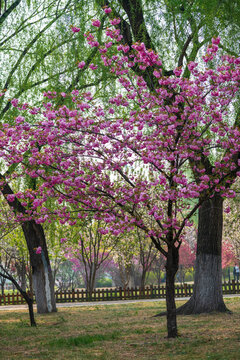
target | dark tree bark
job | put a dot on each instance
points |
(30, 310)
(171, 270)
(41, 270)
(134, 11)
(207, 293)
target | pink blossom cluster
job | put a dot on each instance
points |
(38, 250)
(75, 29)
(107, 10)
(96, 23)
(81, 64)
(128, 161)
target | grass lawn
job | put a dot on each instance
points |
(124, 331)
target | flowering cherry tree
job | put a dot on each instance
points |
(186, 259)
(127, 159)
(228, 255)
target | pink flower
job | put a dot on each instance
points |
(75, 92)
(177, 71)
(75, 29)
(81, 65)
(216, 40)
(108, 44)
(63, 94)
(63, 240)
(14, 102)
(96, 23)
(36, 203)
(39, 250)
(227, 210)
(93, 67)
(191, 65)
(103, 231)
(107, 10)
(11, 198)
(115, 21)
(19, 119)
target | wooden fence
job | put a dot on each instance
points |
(113, 294)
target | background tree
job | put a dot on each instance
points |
(186, 260)
(231, 223)
(146, 256)
(122, 268)
(158, 269)
(68, 278)
(89, 250)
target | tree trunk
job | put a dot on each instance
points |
(2, 287)
(23, 280)
(171, 270)
(207, 293)
(30, 307)
(91, 279)
(31, 313)
(5, 274)
(41, 270)
(30, 283)
(21, 271)
(143, 278)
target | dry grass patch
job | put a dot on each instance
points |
(117, 332)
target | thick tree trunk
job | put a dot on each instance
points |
(171, 270)
(41, 270)
(207, 293)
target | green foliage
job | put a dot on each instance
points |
(103, 281)
(39, 52)
(83, 340)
